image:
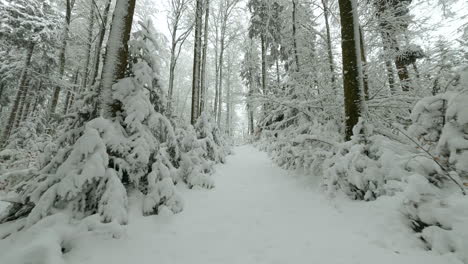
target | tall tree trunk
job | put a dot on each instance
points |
(228, 97)
(102, 33)
(365, 77)
(215, 106)
(19, 116)
(204, 58)
(352, 68)
(68, 100)
(296, 56)
(220, 84)
(56, 94)
(115, 62)
(196, 63)
(27, 104)
(86, 70)
(172, 65)
(329, 43)
(264, 63)
(21, 88)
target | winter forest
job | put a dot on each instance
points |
(233, 131)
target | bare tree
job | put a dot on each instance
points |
(179, 33)
(56, 94)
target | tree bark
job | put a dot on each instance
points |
(204, 58)
(352, 68)
(365, 77)
(196, 64)
(115, 62)
(296, 56)
(220, 84)
(56, 94)
(264, 64)
(86, 66)
(21, 88)
(329, 43)
(102, 33)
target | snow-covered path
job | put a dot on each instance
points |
(259, 214)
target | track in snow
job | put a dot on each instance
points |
(256, 214)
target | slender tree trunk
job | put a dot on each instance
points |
(365, 77)
(172, 65)
(27, 105)
(204, 58)
(102, 33)
(88, 46)
(68, 100)
(352, 68)
(296, 56)
(19, 116)
(329, 43)
(220, 88)
(228, 97)
(115, 62)
(215, 107)
(56, 94)
(264, 64)
(196, 64)
(278, 79)
(21, 88)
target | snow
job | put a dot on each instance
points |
(258, 213)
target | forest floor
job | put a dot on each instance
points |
(258, 213)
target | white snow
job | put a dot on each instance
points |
(258, 213)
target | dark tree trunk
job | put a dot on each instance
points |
(56, 94)
(352, 71)
(204, 58)
(365, 77)
(296, 56)
(264, 64)
(196, 64)
(21, 88)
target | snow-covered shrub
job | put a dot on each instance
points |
(194, 170)
(438, 216)
(354, 169)
(211, 139)
(436, 208)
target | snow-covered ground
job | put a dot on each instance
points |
(257, 213)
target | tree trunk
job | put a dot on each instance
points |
(88, 46)
(296, 56)
(56, 94)
(21, 88)
(115, 62)
(264, 64)
(196, 64)
(27, 105)
(352, 68)
(220, 83)
(19, 116)
(204, 58)
(228, 98)
(365, 77)
(102, 33)
(68, 100)
(329, 43)
(215, 107)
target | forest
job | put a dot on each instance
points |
(233, 131)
